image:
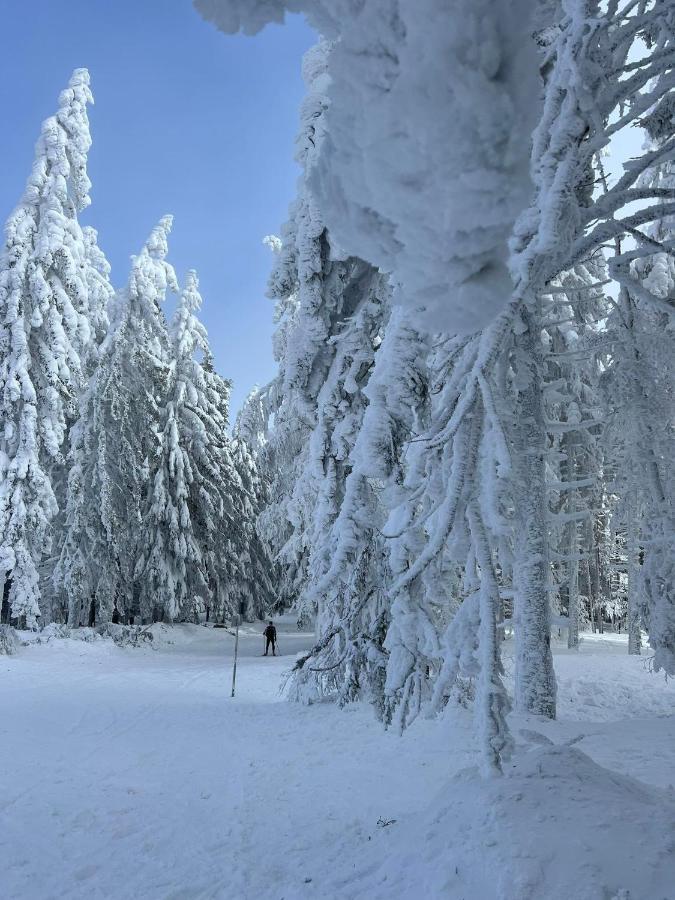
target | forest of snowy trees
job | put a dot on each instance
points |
(470, 436)
(123, 498)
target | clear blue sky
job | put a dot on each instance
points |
(186, 120)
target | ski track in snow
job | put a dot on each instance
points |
(131, 773)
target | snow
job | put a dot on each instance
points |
(132, 773)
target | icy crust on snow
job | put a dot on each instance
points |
(618, 837)
(423, 170)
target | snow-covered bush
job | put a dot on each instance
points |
(126, 635)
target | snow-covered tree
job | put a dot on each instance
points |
(99, 297)
(252, 425)
(43, 329)
(199, 518)
(319, 294)
(173, 568)
(343, 586)
(240, 570)
(114, 442)
(257, 573)
(54, 603)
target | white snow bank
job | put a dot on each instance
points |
(153, 636)
(556, 826)
(424, 168)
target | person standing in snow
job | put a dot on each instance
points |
(270, 639)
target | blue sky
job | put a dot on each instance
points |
(187, 121)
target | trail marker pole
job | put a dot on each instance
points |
(236, 651)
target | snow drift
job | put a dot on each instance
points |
(617, 833)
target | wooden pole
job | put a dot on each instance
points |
(236, 651)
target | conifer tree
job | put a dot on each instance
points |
(341, 593)
(55, 603)
(43, 302)
(173, 569)
(240, 569)
(115, 440)
(203, 550)
(257, 574)
(318, 291)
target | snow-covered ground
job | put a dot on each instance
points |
(131, 773)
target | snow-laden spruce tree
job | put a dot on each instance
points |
(252, 423)
(384, 466)
(451, 531)
(340, 406)
(199, 518)
(382, 638)
(99, 297)
(566, 224)
(313, 404)
(54, 603)
(381, 205)
(43, 329)
(257, 572)
(255, 464)
(343, 600)
(140, 357)
(414, 526)
(114, 442)
(225, 550)
(282, 521)
(320, 295)
(173, 571)
(239, 567)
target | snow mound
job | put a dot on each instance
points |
(557, 825)
(51, 632)
(168, 635)
(126, 635)
(54, 631)
(121, 635)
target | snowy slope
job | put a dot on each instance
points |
(132, 773)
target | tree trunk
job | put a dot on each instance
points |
(660, 525)
(595, 582)
(573, 573)
(634, 630)
(573, 590)
(74, 612)
(491, 701)
(535, 677)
